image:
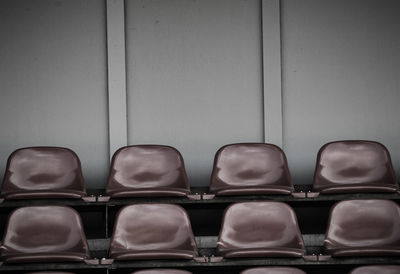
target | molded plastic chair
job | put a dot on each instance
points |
(377, 269)
(147, 170)
(43, 172)
(273, 270)
(354, 166)
(44, 234)
(152, 231)
(162, 271)
(363, 228)
(250, 169)
(260, 229)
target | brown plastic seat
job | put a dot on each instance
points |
(363, 228)
(162, 271)
(273, 270)
(260, 229)
(249, 169)
(354, 166)
(44, 234)
(147, 170)
(377, 269)
(43, 172)
(152, 231)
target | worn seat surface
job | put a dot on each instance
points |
(147, 170)
(377, 269)
(260, 229)
(273, 270)
(363, 228)
(354, 166)
(250, 169)
(44, 234)
(162, 271)
(43, 172)
(152, 231)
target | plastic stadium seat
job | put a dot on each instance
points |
(44, 234)
(363, 228)
(147, 170)
(162, 271)
(273, 270)
(43, 172)
(377, 269)
(354, 166)
(250, 169)
(152, 231)
(260, 229)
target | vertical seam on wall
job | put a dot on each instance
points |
(281, 60)
(262, 74)
(272, 71)
(107, 83)
(126, 78)
(116, 74)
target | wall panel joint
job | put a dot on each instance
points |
(117, 112)
(272, 73)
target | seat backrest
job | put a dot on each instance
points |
(162, 271)
(151, 231)
(250, 165)
(35, 171)
(147, 167)
(44, 233)
(375, 269)
(260, 229)
(363, 227)
(344, 166)
(273, 270)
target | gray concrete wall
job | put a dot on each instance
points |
(341, 76)
(194, 77)
(53, 80)
(195, 73)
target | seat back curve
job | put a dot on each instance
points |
(44, 233)
(250, 168)
(43, 172)
(147, 170)
(152, 231)
(354, 166)
(273, 270)
(260, 229)
(363, 228)
(373, 269)
(162, 271)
